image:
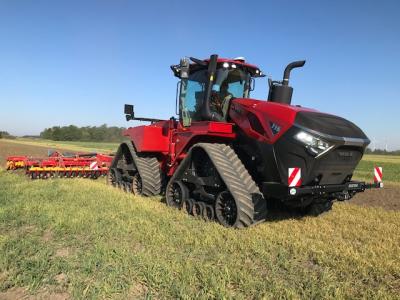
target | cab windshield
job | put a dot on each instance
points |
(232, 82)
(236, 80)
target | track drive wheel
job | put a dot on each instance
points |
(176, 194)
(225, 209)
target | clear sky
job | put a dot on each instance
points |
(78, 62)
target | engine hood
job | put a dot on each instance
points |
(329, 126)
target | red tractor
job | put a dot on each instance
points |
(229, 156)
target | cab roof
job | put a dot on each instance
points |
(233, 63)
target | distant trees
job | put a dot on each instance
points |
(6, 135)
(381, 152)
(101, 133)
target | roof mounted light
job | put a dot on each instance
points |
(233, 66)
(240, 58)
(225, 65)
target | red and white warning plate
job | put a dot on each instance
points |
(94, 165)
(377, 174)
(294, 177)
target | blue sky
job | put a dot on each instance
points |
(78, 62)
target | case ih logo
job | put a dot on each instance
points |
(294, 177)
(378, 174)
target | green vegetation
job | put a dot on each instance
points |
(110, 244)
(390, 165)
(89, 133)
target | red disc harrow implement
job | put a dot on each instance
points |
(86, 165)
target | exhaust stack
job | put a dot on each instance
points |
(280, 91)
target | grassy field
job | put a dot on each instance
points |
(390, 165)
(77, 238)
(106, 244)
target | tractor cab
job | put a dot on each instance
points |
(208, 86)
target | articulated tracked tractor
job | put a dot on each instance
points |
(229, 156)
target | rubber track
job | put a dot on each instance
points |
(251, 205)
(149, 171)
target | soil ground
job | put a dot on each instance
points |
(14, 149)
(387, 198)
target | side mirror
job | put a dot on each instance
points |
(252, 84)
(128, 109)
(129, 112)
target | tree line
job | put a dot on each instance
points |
(101, 133)
(6, 135)
(381, 152)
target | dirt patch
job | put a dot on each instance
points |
(27, 229)
(137, 290)
(387, 198)
(63, 252)
(47, 235)
(14, 149)
(61, 279)
(18, 293)
(15, 293)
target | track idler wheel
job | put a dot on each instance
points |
(226, 209)
(188, 206)
(176, 194)
(198, 209)
(208, 212)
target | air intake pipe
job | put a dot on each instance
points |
(280, 91)
(211, 72)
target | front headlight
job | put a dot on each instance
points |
(314, 144)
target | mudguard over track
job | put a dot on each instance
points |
(250, 202)
(145, 163)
